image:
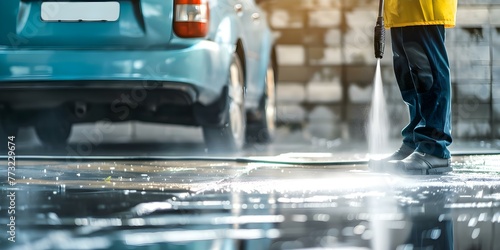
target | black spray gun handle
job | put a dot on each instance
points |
(379, 36)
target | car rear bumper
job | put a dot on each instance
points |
(203, 67)
(29, 95)
(90, 101)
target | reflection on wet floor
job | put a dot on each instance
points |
(228, 205)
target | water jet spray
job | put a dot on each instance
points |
(378, 122)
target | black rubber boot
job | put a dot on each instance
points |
(379, 165)
(420, 164)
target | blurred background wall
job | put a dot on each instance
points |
(327, 65)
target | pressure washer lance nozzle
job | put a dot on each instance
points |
(379, 41)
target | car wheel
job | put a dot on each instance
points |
(263, 128)
(231, 136)
(53, 129)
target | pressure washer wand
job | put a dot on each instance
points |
(379, 41)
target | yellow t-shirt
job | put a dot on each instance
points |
(400, 13)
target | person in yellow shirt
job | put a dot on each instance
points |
(422, 71)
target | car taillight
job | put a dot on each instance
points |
(191, 18)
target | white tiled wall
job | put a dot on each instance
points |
(325, 48)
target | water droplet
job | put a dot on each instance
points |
(462, 217)
(441, 217)
(321, 217)
(435, 233)
(479, 194)
(299, 218)
(472, 222)
(475, 233)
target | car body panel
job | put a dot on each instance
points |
(140, 46)
(141, 25)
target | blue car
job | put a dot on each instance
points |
(207, 63)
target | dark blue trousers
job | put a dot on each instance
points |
(423, 74)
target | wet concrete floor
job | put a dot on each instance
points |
(268, 198)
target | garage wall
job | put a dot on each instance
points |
(326, 63)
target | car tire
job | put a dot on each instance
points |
(230, 137)
(53, 129)
(263, 128)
